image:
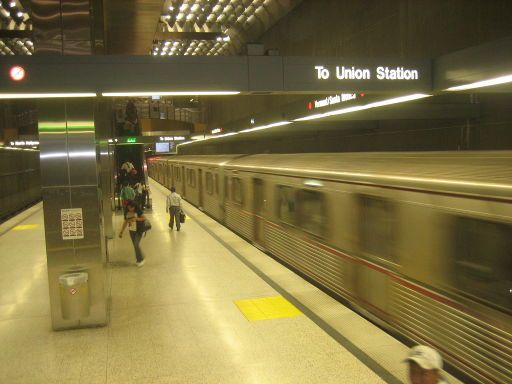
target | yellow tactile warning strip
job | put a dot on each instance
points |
(266, 308)
(25, 227)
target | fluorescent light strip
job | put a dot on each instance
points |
(356, 108)
(481, 84)
(278, 124)
(43, 95)
(161, 93)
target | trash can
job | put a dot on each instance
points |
(74, 295)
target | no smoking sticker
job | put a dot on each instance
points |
(17, 73)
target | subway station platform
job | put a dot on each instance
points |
(207, 307)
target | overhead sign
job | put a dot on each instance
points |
(364, 73)
(332, 100)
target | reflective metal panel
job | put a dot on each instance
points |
(53, 144)
(81, 142)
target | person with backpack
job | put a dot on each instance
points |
(126, 195)
(174, 209)
(136, 223)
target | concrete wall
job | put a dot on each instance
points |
(396, 28)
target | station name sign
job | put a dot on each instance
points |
(366, 73)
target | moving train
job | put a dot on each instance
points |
(20, 183)
(419, 243)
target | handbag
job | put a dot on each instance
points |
(182, 217)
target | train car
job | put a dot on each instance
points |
(20, 184)
(196, 179)
(420, 243)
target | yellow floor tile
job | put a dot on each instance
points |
(266, 308)
(25, 227)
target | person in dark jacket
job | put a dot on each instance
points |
(135, 222)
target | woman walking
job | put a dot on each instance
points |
(135, 222)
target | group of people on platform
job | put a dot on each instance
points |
(133, 198)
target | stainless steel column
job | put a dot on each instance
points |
(70, 179)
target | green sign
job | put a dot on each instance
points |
(131, 140)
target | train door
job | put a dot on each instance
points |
(259, 211)
(200, 187)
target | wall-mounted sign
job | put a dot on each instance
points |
(72, 223)
(366, 73)
(17, 73)
(24, 143)
(329, 75)
(172, 138)
(332, 100)
(131, 140)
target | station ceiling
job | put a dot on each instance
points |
(189, 27)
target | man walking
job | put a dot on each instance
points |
(425, 365)
(174, 208)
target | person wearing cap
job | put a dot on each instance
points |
(425, 365)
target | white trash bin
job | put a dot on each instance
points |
(74, 295)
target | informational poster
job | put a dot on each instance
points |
(72, 223)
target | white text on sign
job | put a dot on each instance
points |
(355, 73)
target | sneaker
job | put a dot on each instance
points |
(140, 263)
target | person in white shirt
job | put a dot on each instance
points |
(425, 365)
(174, 208)
(127, 167)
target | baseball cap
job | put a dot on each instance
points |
(425, 357)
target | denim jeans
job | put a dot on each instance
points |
(174, 214)
(136, 238)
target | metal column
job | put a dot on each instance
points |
(73, 137)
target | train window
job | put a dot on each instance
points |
(311, 211)
(237, 190)
(216, 183)
(286, 204)
(377, 227)
(226, 187)
(209, 183)
(191, 178)
(482, 262)
(177, 173)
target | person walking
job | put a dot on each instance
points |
(134, 220)
(140, 194)
(174, 208)
(126, 195)
(425, 365)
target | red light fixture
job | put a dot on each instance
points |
(17, 73)
(310, 105)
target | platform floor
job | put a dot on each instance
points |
(179, 318)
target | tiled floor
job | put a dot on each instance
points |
(175, 320)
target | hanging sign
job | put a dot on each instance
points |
(72, 223)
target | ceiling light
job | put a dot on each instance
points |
(19, 14)
(484, 83)
(166, 93)
(356, 108)
(278, 124)
(190, 16)
(183, 6)
(226, 38)
(180, 16)
(12, 4)
(167, 43)
(194, 7)
(171, 8)
(43, 95)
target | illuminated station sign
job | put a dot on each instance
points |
(334, 99)
(362, 73)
